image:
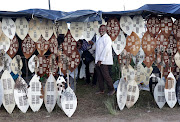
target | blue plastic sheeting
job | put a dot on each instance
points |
(162, 9)
(12, 14)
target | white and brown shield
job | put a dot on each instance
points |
(113, 28)
(42, 46)
(133, 43)
(148, 43)
(4, 43)
(62, 28)
(77, 30)
(177, 59)
(161, 42)
(74, 60)
(8, 27)
(88, 32)
(149, 59)
(28, 47)
(166, 25)
(52, 65)
(126, 24)
(176, 29)
(153, 25)
(42, 65)
(172, 45)
(46, 29)
(14, 46)
(53, 45)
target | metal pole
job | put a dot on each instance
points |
(49, 5)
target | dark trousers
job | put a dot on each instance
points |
(103, 75)
(88, 75)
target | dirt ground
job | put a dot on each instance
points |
(91, 108)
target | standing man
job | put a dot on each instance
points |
(103, 60)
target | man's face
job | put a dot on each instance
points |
(102, 30)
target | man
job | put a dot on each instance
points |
(103, 60)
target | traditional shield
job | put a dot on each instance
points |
(0, 28)
(50, 93)
(4, 43)
(126, 24)
(138, 25)
(42, 65)
(168, 60)
(139, 58)
(8, 89)
(77, 30)
(119, 43)
(113, 28)
(62, 29)
(139, 73)
(132, 93)
(178, 46)
(133, 43)
(69, 44)
(2, 53)
(22, 27)
(177, 59)
(28, 47)
(176, 72)
(166, 25)
(35, 97)
(74, 60)
(172, 46)
(46, 28)
(176, 29)
(8, 27)
(14, 46)
(53, 45)
(128, 73)
(34, 29)
(7, 62)
(122, 93)
(88, 32)
(161, 42)
(159, 94)
(52, 65)
(153, 26)
(16, 64)
(147, 74)
(148, 43)
(20, 94)
(42, 46)
(149, 59)
(31, 64)
(170, 94)
(62, 61)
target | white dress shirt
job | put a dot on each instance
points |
(104, 50)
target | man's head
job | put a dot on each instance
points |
(79, 43)
(102, 30)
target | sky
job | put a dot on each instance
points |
(72, 5)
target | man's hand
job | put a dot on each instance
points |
(98, 63)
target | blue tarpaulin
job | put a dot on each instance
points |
(90, 15)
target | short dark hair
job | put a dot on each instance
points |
(81, 41)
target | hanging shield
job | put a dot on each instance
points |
(62, 29)
(77, 30)
(149, 59)
(34, 29)
(50, 93)
(139, 57)
(42, 46)
(153, 26)
(172, 46)
(2, 53)
(20, 94)
(113, 28)
(22, 27)
(8, 27)
(139, 74)
(74, 60)
(14, 64)
(31, 63)
(1, 28)
(148, 43)
(51, 64)
(8, 89)
(88, 32)
(28, 47)
(128, 73)
(133, 43)
(147, 74)
(132, 93)
(161, 42)
(176, 29)
(170, 94)
(69, 44)
(166, 25)
(122, 93)
(42, 65)
(123, 59)
(62, 61)
(14, 46)
(7, 62)
(53, 45)
(4, 43)
(60, 89)
(139, 25)
(159, 94)
(167, 60)
(46, 28)
(35, 97)
(119, 43)
(176, 72)
(126, 24)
